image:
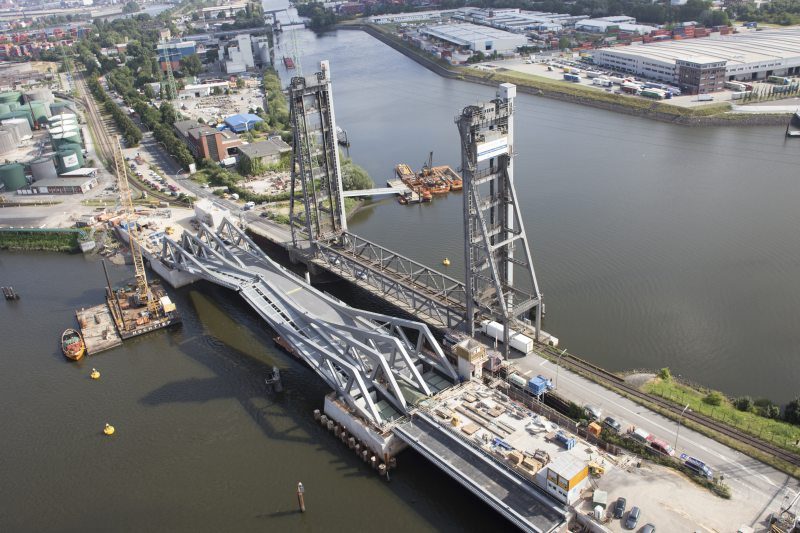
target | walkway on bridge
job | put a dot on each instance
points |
(513, 497)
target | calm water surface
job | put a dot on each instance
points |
(655, 245)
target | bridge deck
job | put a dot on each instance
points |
(506, 493)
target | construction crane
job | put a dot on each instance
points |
(144, 295)
(170, 93)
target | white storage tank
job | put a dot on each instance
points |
(43, 168)
(7, 144)
(21, 125)
(13, 131)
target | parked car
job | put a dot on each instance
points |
(619, 507)
(649, 528)
(592, 411)
(633, 518)
(612, 424)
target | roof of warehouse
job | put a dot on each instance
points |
(61, 182)
(242, 118)
(743, 48)
(89, 171)
(468, 33)
(265, 148)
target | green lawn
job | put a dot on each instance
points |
(776, 431)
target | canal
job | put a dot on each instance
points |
(654, 245)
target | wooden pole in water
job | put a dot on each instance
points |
(300, 499)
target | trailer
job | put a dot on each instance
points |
(517, 340)
(572, 77)
(630, 88)
(601, 82)
(735, 86)
(779, 80)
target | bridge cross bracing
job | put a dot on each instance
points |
(379, 365)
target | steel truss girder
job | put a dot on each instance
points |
(355, 360)
(419, 288)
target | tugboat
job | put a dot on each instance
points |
(72, 344)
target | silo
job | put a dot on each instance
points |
(67, 159)
(4, 109)
(9, 96)
(58, 108)
(11, 128)
(20, 113)
(40, 112)
(40, 94)
(65, 116)
(7, 143)
(75, 148)
(69, 137)
(43, 168)
(23, 129)
(13, 176)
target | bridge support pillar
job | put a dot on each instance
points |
(381, 443)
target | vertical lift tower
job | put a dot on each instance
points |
(316, 169)
(500, 281)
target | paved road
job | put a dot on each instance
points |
(753, 483)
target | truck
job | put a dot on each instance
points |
(735, 86)
(656, 94)
(249, 205)
(779, 80)
(602, 82)
(517, 340)
(705, 97)
(630, 88)
(572, 77)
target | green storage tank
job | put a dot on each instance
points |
(13, 176)
(10, 96)
(67, 160)
(57, 108)
(4, 109)
(40, 112)
(66, 138)
(77, 148)
(13, 106)
(19, 113)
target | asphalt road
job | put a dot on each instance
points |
(753, 483)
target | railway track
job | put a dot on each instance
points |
(700, 419)
(102, 130)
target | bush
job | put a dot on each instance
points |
(791, 412)
(745, 403)
(771, 411)
(713, 398)
(665, 374)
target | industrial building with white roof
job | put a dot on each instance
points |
(476, 38)
(754, 55)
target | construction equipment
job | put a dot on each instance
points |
(143, 294)
(170, 93)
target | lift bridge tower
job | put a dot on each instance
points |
(319, 214)
(499, 279)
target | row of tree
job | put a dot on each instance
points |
(130, 131)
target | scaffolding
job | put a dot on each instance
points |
(499, 278)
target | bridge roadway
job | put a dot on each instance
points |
(380, 366)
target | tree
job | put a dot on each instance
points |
(149, 92)
(239, 83)
(744, 403)
(354, 177)
(791, 412)
(664, 374)
(168, 113)
(212, 55)
(191, 65)
(131, 7)
(563, 42)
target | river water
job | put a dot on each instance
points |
(654, 245)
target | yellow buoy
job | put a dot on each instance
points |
(446, 262)
(95, 374)
(109, 429)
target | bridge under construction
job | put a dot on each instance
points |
(383, 368)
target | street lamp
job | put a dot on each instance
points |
(679, 426)
(558, 365)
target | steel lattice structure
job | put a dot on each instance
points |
(316, 169)
(500, 281)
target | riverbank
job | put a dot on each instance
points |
(49, 240)
(718, 114)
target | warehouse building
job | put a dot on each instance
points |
(263, 152)
(518, 20)
(743, 57)
(78, 185)
(206, 142)
(476, 38)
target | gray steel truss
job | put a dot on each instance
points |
(379, 365)
(419, 289)
(316, 170)
(500, 281)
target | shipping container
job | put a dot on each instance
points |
(517, 341)
(519, 381)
